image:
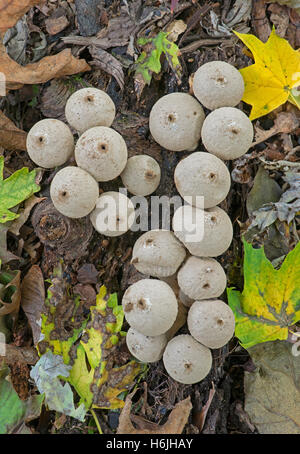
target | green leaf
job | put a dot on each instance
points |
(150, 59)
(46, 374)
(14, 190)
(13, 410)
(270, 301)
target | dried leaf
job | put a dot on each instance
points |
(177, 420)
(108, 63)
(10, 296)
(24, 214)
(33, 299)
(11, 137)
(12, 10)
(55, 66)
(5, 255)
(285, 122)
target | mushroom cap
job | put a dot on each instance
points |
(202, 180)
(50, 143)
(74, 192)
(89, 107)
(187, 361)
(227, 133)
(158, 253)
(205, 233)
(211, 322)
(113, 215)
(202, 278)
(186, 301)
(175, 122)
(150, 306)
(141, 175)
(218, 84)
(102, 152)
(147, 349)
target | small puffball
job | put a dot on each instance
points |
(50, 143)
(202, 180)
(141, 175)
(202, 278)
(74, 192)
(147, 349)
(186, 301)
(211, 322)
(89, 107)
(102, 152)
(175, 122)
(113, 215)
(150, 307)
(205, 233)
(158, 253)
(218, 84)
(187, 361)
(227, 133)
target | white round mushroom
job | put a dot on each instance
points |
(175, 122)
(102, 152)
(202, 180)
(186, 301)
(211, 322)
(141, 175)
(89, 107)
(227, 133)
(187, 361)
(113, 215)
(202, 278)
(150, 306)
(74, 192)
(218, 84)
(50, 143)
(158, 253)
(205, 233)
(147, 349)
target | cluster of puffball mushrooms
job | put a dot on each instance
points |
(177, 122)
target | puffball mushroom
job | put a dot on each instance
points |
(227, 133)
(186, 301)
(211, 322)
(186, 360)
(74, 192)
(102, 152)
(175, 122)
(147, 349)
(89, 107)
(50, 143)
(150, 307)
(141, 175)
(202, 180)
(218, 84)
(113, 215)
(158, 253)
(202, 278)
(205, 233)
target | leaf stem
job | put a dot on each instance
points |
(96, 421)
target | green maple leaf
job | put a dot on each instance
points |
(14, 190)
(270, 301)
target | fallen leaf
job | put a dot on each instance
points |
(14, 190)
(10, 295)
(12, 10)
(285, 122)
(33, 299)
(272, 391)
(276, 72)
(11, 137)
(5, 255)
(24, 214)
(265, 189)
(291, 3)
(108, 63)
(270, 301)
(54, 66)
(177, 420)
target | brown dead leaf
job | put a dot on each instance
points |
(12, 10)
(11, 137)
(5, 255)
(108, 63)
(177, 420)
(33, 299)
(199, 417)
(285, 122)
(16, 225)
(12, 307)
(55, 66)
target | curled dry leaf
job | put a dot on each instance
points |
(11, 137)
(177, 420)
(33, 298)
(16, 225)
(12, 307)
(12, 10)
(285, 122)
(107, 63)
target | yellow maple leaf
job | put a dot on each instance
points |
(270, 81)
